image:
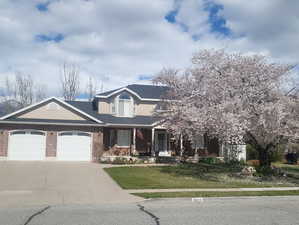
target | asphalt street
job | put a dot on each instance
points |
(209, 211)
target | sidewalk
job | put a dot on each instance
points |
(212, 189)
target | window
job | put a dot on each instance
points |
(27, 132)
(124, 138)
(123, 106)
(83, 134)
(161, 107)
(74, 133)
(18, 132)
(37, 133)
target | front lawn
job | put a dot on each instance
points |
(288, 167)
(186, 176)
(204, 194)
(291, 170)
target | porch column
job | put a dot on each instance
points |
(181, 145)
(134, 140)
(153, 142)
(168, 142)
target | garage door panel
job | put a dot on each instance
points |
(74, 146)
(27, 145)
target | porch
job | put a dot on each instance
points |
(143, 141)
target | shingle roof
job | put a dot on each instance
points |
(144, 91)
(89, 108)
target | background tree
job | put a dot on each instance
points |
(70, 81)
(19, 91)
(232, 97)
(40, 92)
(91, 88)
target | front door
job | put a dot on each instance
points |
(161, 141)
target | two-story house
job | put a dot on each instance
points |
(117, 122)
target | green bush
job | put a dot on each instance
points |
(251, 152)
(264, 171)
(275, 156)
(210, 160)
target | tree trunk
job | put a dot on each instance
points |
(264, 157)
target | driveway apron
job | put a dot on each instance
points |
(55, 183)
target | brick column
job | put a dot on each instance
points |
(97, 146)
(51, 144)
(3, 143)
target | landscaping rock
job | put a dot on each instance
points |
(248, 171)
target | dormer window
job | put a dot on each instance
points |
(123, 105)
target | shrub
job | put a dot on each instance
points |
(166, 159)
(251, 152)
(275, 156)
(210, 160)
(278, 153)
(264, 171)
(291, 157)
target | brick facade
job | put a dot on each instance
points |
(51, 144)
(51, 137)
(97, 146)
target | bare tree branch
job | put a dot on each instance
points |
(91, 88)
(70, 81)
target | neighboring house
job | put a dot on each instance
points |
(117, 122)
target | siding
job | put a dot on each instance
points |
(144, 109)
(141, 108)
(55, 113)
(104, 107)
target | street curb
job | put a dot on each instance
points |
(203, 199)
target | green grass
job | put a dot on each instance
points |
(192, 194)
(288, 168)
(183, 176)
(291, 170)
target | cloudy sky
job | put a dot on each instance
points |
(128, 41)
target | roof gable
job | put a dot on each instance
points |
(143, 92)
(51, 111)
(42, 110)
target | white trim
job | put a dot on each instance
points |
(78, 110)
(76, 131)
(117, 107)
(48, 99)
(130, 91)
(126, 125)
(24, 109)
(27, 130)
(44, 147)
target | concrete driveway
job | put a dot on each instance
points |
(55, 183)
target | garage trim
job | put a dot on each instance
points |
(75, 133)
(28, 132)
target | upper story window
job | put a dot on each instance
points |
(123, 105)
(161, 107)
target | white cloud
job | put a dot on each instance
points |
(118, 40)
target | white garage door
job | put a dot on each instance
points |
(74, 146)
(27, 145)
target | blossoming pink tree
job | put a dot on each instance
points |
(233, 97)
